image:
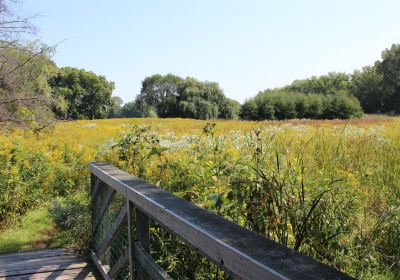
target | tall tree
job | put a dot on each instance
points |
(173, 96)
(160, 92)
(389, 68)
(87, 95)
(367, 86)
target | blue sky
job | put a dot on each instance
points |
(245, 46)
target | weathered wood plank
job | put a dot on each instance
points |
(99, 266)
(153, 270)
(74, 273)
(131, 248)
(32, 263)
(143, 238)
(240, 251)
(34, 254)
(47, 264)
(119, 221)
(119, 265)
(46, 268)
(104, 206)
(95, 186)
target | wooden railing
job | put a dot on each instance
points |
(122, 205)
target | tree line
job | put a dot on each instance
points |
(373, 89)
(34, 92)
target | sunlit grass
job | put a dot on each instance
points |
(34, 231)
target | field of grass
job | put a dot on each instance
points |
(329, 189)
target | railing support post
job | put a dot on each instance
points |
(143, 238)
(92, 190)
(131, 244)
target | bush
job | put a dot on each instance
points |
(32, 174)
(73, 216)
(280, 105)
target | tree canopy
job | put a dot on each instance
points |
(377, 87)
(173, 96)
(332, 83)
(86, 95)
(389, 70)
(282, 104)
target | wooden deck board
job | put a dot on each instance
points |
(48, 264)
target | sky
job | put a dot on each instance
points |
(245, 46)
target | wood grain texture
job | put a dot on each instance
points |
(153, 270)
(103, 208)
(119, 221)
(238, 250)
(131, 248)
(102, 269)
(143, 238)
(47, 264)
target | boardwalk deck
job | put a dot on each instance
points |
(48, 264)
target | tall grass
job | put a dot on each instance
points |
(330, 189)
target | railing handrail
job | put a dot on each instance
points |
(236, 249)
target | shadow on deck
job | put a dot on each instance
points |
(47, 264)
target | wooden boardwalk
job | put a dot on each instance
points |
(47, 264)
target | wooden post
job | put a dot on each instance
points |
(92, 189)
(143, 238)
(131, 244)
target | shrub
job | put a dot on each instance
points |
(280, 105)
(73, 216)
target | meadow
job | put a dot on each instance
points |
(329, 189)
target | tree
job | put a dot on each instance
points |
(333, 82)
(367, 86)
(160, 92)
(88, 96)
(115, 110)
(173, 96)
(281, 104)
(132, 110)
(24, 69)
(389, 68)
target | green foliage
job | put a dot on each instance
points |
(326, 188)
(312, 190)
(22, 177)
(73, 215)
(29, 176)
(366, 85)
(389, 69)
(132, 110)
(115, 110)
(87, 95)
(24, 93)
(280, 104)
(137, 145)
(173, 96)
(332, 83)
(377, 87)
